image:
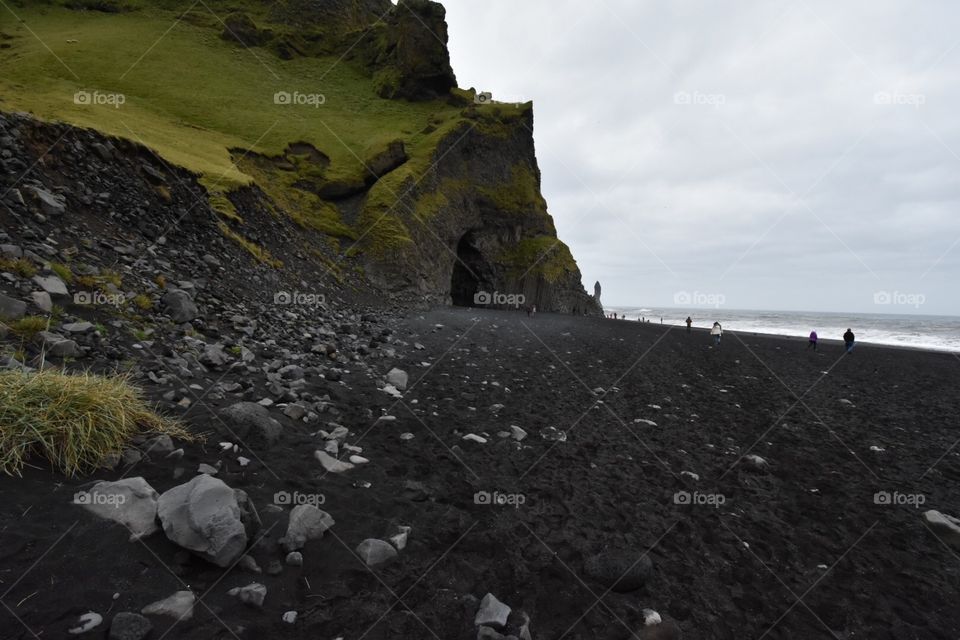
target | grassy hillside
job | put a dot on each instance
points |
(190, 95)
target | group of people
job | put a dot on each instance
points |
(716, 332)
(848, 340)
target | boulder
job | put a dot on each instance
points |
(621, 571)
(331, 464)
(253, 594)
(179, 606)
(398, 378)
(179, 306)
(492, 613)
(52, 285)
(42, 300)
(132, 502)
(375, 552)
(306, 523)
(203, 516)
(246, 419)
(50, 203)
(129, 626)
(945, 527)
(11, 308)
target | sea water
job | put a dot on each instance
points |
(917, 331)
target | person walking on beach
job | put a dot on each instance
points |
(689, 323)
(717, 333)
(813, 340)
(848, 340)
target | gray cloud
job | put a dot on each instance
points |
(790, 155)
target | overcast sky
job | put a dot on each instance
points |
(775, 155)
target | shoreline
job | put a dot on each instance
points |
(803, 338)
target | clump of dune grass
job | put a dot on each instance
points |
(72, 420)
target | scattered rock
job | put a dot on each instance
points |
(179, 606)
(132, 502)
(375, 552)
(306, 523)
(11, 308)
(87, 621)
(203, 516)
(331, 464)
(289, 617)
(253, 594)
(621, 571)
(398, 378)
(945, 527)
(492, 613)
(52, 285)
(243, 418)
(179, 306)
(129, 626)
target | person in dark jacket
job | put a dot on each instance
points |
(689, 323)
(848, 340)
(813, 340)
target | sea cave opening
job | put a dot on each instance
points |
(471, 274)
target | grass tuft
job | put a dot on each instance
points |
(71, 420)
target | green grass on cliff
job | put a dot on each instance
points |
(540, 255)
(190, 95)
(200, 101)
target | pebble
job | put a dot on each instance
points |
(253, 594)
(375, 552)
(88, 621)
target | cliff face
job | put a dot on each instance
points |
(413, 184)
(477, 222)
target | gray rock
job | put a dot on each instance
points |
(398, 378)
(492, 612)
(4, 331)
(129, 626)
(42, 300)
(214, 356)
(295, 559)
(375, 552)
(50, 203)
(161, 445)
(291, 372)
(253, 594)
(179, 306)
(179, 606)
(945, 527)
(306, 523)
(11, 308)
(65, 349)
(77, 327)
(52, 285)
(517, 433)
(11, 251)
(621, 571)
(331, 464)
(132, 502)
(203, 516)
(244, 417)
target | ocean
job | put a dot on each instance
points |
(941, 333)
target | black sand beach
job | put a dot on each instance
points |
(808, 547)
